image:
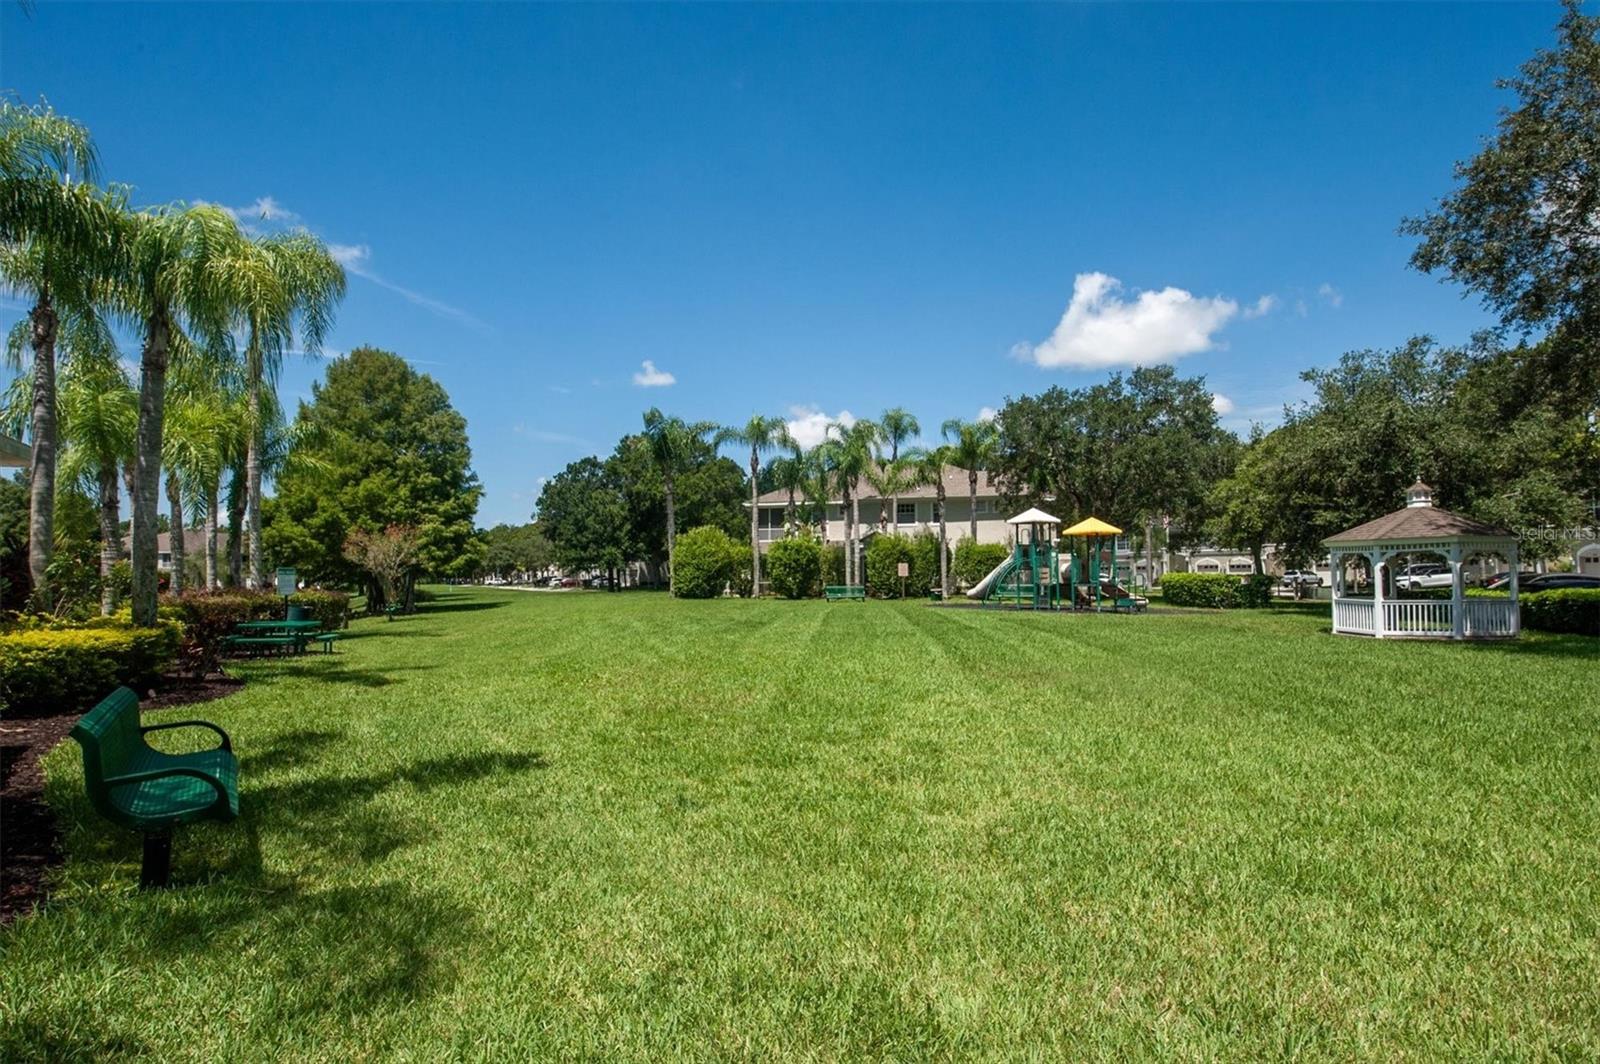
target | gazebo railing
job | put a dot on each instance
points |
(1354, 616)
(1489, 617)
(1417, 617)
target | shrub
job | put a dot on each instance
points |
(331, 608)
(1217, 591)
(794, 567)
(833, 564)
(1569, 609)
(974, 560)
(742, 574)
(703, 562)
(60, 669)
(209, 617)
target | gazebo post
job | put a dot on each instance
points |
(1516, 611)
(1375, 560)
(1458, 604)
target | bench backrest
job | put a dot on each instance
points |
(111, 741)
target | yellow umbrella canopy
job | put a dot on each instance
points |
(1092, 526)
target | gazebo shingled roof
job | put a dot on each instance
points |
(1417, 522)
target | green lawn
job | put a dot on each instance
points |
(600, 826)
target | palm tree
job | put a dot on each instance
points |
(96, 412)
(276, 283)
(816, 484)
(671, 442)
(789, 473)
(971, 448)
(56, 245)
(851, 456)
(202, 432)
(898, 425)
(173, 275)
(760, 434)
(926, 468)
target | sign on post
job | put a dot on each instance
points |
(904, 568)
(287, 581)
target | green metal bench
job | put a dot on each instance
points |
(327, 639)
(132, 784)
(842, 592)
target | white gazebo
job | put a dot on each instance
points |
(1421, 528)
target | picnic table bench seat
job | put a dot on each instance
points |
(134, 785)
(840, 592)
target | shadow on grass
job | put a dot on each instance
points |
(459, 606)
(328, 669)
(1585, 647)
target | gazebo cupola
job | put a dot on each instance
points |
(1421, 528)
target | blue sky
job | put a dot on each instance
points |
(807, 210)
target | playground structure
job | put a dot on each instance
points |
(1030, 578)
(1037, 575)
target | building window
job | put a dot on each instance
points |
(985, 506)
(906, 514)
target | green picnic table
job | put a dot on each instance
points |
(262, 635)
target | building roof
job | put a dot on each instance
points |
(14, 453)
(1420, 522)
(194, 541)
(955, 486)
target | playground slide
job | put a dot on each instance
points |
(981, 589)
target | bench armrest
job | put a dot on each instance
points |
(226, 743)
(163, 773)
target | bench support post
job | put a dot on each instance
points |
(156, 871)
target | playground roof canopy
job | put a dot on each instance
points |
(1092, 526)
(1033, 516)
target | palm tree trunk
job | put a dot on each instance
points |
(212, 491)
(672, 532)
(894, 499)
(944, 560)
(236, 503)
(755, 539)
(175, 533)
(252, 469)
(855, 532)
(110, 537)
(147, 468)
(972, 501)
(42, 465)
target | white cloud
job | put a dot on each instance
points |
(650, 377)
(1261, 307)
(1100, 328)
(1334, 297)
(987, 413)
(808, 425)
(1221, 404)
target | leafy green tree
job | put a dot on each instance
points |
(512, 549)
(584, 513)
(971, 447)
(1522, 229)
(847, 456)
(380, 446)
(760, 434)
(927, 470)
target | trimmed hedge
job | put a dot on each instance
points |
(209, 617)
(62, 670)
(1571, 610)
(703, 562)
(794, 567)
(884, 555)
(1217, 591)
(974, 560)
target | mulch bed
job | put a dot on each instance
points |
(30, 845)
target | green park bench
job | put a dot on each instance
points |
(132, 784)
(327, 639)
(841, 592)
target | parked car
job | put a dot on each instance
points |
(1299, 577)
(1544, 581)
(1499, 581)
(1417, 577)
(554, 582)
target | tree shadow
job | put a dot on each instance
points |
(461, 606)
(333, 671)
(1538, 645)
